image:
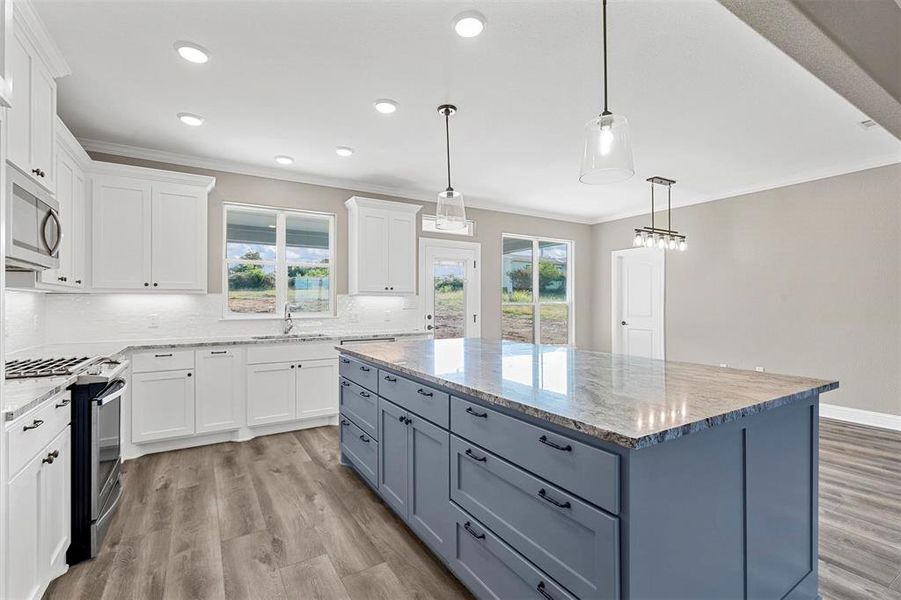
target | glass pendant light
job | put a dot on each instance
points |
(607, 155)
(451, 214)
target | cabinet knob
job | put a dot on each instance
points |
(62, 279)
(78, 281)
(146, 284)
(292, 366)
(386, 287)
(155, 284)
(189, 374)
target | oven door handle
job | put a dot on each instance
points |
(113, 390)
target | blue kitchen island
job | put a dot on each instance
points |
(537, 471)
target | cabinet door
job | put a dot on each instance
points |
(65, 187)
(402, 253)
(162, 405)
(394, 456)
(56, 503)
(372, 251)
(23, 564)
(121, 233)
(178, 234)
(429, 460)
(219, 390)
(79, 246)
(270, 393)
(317, 388)
(19, 127)
(43, 115)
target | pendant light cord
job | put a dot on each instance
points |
(606, 112)
(447, 138)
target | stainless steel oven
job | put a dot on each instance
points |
(33, 228)
(106, 445)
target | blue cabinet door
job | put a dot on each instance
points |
(429, 455)
(393, 456)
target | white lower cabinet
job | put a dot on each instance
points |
(24, 562)
(218, 397)
(162, 405)
(56, 485)
(270, 393)
(317, 388)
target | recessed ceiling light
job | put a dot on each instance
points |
(284, 160)
(190, 119)
(469, 24)
(385, 106)
(192, 52)
(344, 151)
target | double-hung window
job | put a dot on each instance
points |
(278, 259)
(536, 290)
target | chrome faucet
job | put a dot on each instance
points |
(289, 323)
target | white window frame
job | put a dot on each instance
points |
(536, 303)
(281, 262)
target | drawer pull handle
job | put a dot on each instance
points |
(471, 455)
(345, 422)
(345, 361)
(48, 459)
(391, 379)
(567, 448)
(476, 414)
(34, 425)
(63, 403)
(422, 392)
(402, 419)
(365, 394)
(543, 495)
(162, 355)
(472, 532)
(364, 438)
(219, 352)
(367, 369)
(542, 591)
(345, 384)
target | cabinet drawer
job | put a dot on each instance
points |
(586, 471)
(360, 406)
(359, 372)
(427, 402)
(162, 360)
(491, 568)
(570, 540)
(43, 425)
(289, 352)
(361, 449)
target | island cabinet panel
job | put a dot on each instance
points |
(429, 485)
(491, 568)
(572, 541)
(360, 373)
(393, 456)
(361, 449)
(428, 402)
(587, 471)
(360, 406)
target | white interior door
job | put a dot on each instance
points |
(449, 287)
(638, 302)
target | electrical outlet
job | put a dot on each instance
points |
(759, 369)
(154, 321)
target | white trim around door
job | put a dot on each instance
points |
(637, 300)
(468, 253)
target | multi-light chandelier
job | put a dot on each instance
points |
(658, 237)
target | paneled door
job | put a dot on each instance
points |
(121, 230)
(270, 393)
(429, 484)
(317, 388)
(449, 285)
(219, 399)
(638, 309)
(162, 405)
(394, 455)
(178, 221)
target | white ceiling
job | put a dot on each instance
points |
(711, 103)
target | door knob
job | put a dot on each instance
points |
(623, 323)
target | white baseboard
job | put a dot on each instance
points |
(861, 417)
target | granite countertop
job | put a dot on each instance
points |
(632, 402)
(21, 395)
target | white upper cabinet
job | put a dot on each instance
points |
(149, 229)
(382, 246)
(33, 64)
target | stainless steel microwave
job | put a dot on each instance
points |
(33, 229)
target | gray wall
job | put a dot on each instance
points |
(232, 187)
(804, 279)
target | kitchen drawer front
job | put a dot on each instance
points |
(570, 540)
(162, 360)
(286, 352)
(584, 470)
(43, 425)
(491, 568)
(360, 406)
(427, 402)
(359, 372)
(362, 450)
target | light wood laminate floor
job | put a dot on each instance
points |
(278, 517)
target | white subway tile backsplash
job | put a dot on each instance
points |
(25, 320)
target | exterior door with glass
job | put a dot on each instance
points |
(449, 287)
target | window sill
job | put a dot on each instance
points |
(294, 317)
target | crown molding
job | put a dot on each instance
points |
(240, 168)
(26, 16)
(68, 142)
(99, 167)
(355, 202)
(802, 177)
